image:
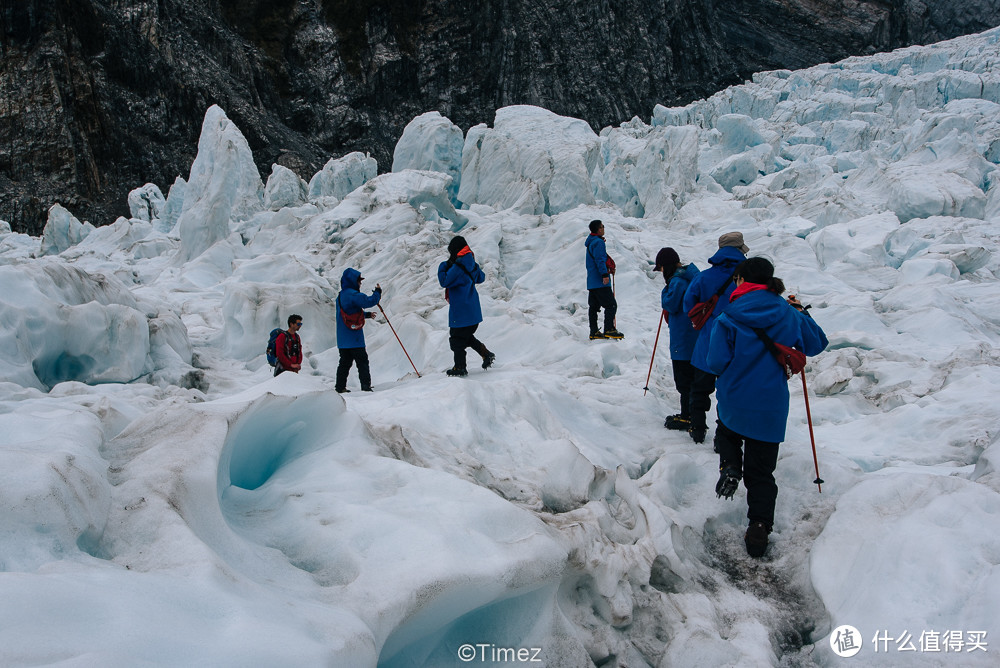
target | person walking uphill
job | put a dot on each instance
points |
(288, 347)
(600, 267)
(753, 388)
(351, 316)
(678, 277)
(459, 275)
(716, 280)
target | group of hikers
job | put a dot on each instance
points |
(726, 326)
(458, 275)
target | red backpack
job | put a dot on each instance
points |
(702, 311)
(353, 321)
(791, 360)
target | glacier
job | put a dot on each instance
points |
(165, 501)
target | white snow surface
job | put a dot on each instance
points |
(165, 502)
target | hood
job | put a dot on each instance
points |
(468, 260)
(590, 239)
(760, 308)
(727, 257)
(351, 279)
(688, 272)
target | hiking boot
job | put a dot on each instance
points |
(342, 390)
(367, 389)
(756, 539)
(697, 435)
(729, 482)
(456, 371)
(613, 334)
(488, 359)
(677, 422)
(596, 335)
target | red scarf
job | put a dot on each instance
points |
(744, 288)
(464, 251)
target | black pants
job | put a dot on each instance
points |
(349, 356)
(702, 386)
(460, 338)
(597, 299)
(757, 461)
(683, 377)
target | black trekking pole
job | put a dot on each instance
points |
(805, 393)
(663, 317)
(400, 342)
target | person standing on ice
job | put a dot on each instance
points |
(288, 347)
(459, 275)
(351, 316)
(753, 388)
(716, 280)
(678, 277)
(600, 267)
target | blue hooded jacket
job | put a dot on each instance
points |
(702, 288)
(597, 262)
(460, 280)
(352, 301)
(682, 334)
(752, 390)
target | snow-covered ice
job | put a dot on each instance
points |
(165, 501)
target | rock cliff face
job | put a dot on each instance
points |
(100, 96)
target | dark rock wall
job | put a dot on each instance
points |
(101, 96)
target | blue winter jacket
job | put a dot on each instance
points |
(702, 288)
(682, 334)
(460, 281)
(752, 390)
(597, 262)
(352, 301)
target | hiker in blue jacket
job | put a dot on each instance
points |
(599, 291)
(459, 275)
(753, 388)
(678, 277)
(350, 331)
(703, 287)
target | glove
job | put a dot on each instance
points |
(378, 289)
(370, 315)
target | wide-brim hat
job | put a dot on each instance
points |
(734, 239)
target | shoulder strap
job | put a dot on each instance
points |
(722, 288)
(768, 342)
(467, 272)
